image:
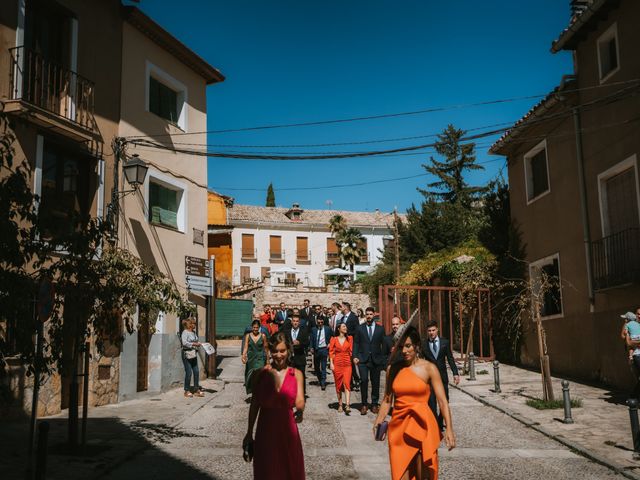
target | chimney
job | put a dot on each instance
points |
(295, 212)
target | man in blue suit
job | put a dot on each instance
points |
(369, 356)
(319, 341)
(282, 315)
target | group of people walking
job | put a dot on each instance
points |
(275, 350)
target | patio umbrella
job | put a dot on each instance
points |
(285, 270)
(341, 272)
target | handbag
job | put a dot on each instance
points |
(381, 431)
(190, 354)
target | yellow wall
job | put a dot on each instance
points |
(216, 209)
(220, 244)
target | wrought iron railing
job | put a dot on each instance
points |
(47, 85)
(333, 257)
(276, 255)
(303, 256)
(616, 259)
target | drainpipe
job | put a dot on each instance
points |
(582, 187)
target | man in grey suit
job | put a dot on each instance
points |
(438, 350)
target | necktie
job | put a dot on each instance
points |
(370, 327)
(294, 334)
(434, 348)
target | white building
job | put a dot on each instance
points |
(266, 240)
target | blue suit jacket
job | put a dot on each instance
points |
(314, 336)
(365, 349)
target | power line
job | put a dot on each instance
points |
(386, 115)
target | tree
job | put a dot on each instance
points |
(459, 158)
(271, 196)
(348, 239)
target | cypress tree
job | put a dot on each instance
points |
(271, 196)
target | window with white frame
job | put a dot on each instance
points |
(166, 97)
(166, 202)
(546, 286)
(536, 171)
(608, 54)
(619, 199)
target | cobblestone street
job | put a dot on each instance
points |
(490, 444)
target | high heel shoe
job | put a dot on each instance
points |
(347, 410)
(340, 408)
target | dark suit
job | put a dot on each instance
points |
(306, 313)
(388, 346)
(444, 356)
(281, 317)
(320, 354)
(370, 353)
(299, 358)
(352, 321)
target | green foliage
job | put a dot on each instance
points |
(541, 404)
(451, 186)
(98, 286)
(348, 240)
(271, 196)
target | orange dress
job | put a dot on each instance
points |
(341, 356)
(412, 427)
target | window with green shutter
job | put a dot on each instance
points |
(163, 101)
(163, 205)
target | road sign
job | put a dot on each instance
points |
(196, 266)
(195, 280)
(46, 297)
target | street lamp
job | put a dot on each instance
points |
(135, 171)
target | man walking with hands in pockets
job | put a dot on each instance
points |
(369, 357)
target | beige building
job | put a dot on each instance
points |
(575, 196)
(163, 87)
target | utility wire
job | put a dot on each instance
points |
(386, 115)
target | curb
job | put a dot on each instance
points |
(536, 426)
(137, 451)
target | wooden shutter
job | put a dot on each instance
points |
(622, 202)
(332, 250)
(302, 248)
(247, 245)
(245, 274)
(364, 252)
(265, 272)
(275, 246)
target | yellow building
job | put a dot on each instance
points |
(219, 240)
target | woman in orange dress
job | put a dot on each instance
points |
(413, 432)
(340, 353)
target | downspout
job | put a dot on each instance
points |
(582, 187)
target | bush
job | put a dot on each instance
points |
(540, 404)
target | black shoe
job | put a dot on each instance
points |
(323, 387)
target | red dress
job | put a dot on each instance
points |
(277, 450)
(341, 355)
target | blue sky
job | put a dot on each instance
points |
(305, 61)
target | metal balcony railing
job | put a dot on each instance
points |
(276, 256)
(303, 256)
(616, 259)
(49, 86)
(248, 253)
(333, 257)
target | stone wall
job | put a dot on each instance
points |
(293, 298)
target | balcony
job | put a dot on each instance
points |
(53, 96)
(616, 259)
(248, 255)
(333, 258)
(303, 257)
(276, 256)
(364, 259)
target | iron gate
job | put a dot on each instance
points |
(458, 315)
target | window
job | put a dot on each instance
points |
(245, 275)
(364, 251)
(248, 250)
(619, 197)
(608, 57)
(66, 187)
(302, 249)
(332, 250)
(265, 272)
(545, 277)
(166, 97)
(164, 205)
(536, 172)
(275, 247)
(163, 101)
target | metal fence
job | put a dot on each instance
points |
(454, 312)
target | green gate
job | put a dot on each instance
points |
(232, 316)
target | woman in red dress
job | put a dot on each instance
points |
(340, 353)
(278, 388)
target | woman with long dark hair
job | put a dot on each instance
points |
(277, 389)
(254, 353)
(413, 431)
(340, 357)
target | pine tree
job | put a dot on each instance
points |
(458, 158)
(271, 196)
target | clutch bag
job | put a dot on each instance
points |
(381, 431)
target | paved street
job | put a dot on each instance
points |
(491, 445)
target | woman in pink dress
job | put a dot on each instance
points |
(278, 388)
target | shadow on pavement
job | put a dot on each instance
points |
(110, 444)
